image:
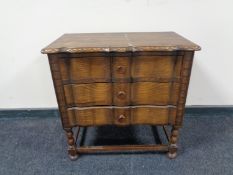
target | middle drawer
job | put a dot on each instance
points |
(121, 94)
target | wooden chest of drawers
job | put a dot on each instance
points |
(121, 79)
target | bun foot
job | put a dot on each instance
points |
(75, 157)
(172, 155)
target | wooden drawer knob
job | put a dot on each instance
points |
(121, 94)
(121, 118)
(121, 69)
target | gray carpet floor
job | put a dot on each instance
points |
(37, 145)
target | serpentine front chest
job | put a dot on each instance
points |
(121, 79)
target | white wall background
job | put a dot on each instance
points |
(27, 26)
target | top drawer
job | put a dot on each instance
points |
(120, 69)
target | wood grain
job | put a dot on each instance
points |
(152, 115)
(153, 93)
(57, 81)
(85, 70)
(153, 67)
(92, 116)
(122, 69)
(93, 149)
(185, 77)
(88, 94)
(121, 94)
(121, 79)
(120, 42)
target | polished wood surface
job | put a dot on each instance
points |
(88, 94)
(84, 70)
(121, 79)
(120, 94)
(120, 69)
(111, 115)
(154, 93)
(155, 67)
(120, 42)
(93, 149)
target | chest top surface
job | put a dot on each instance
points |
(120, 42)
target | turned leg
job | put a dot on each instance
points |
(71, 144)
(172, 150)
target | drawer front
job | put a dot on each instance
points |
(153, 93)
(120, 69)
(121, 94)
(97, 94)
(155, 68)
(88, 94)
(85, 70)
(121, 116)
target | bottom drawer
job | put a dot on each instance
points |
(94, 116)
